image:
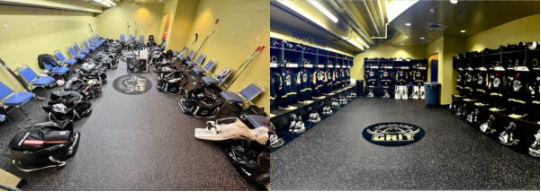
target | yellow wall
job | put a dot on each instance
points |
(22, 41)
(452, 46)
(244, 25)
(386, 51)
(183, 18)
(525, 29)
(113, 22)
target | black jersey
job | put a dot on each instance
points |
(328, 81)
(337, 79)
(371, 78)
(534, 88)
(495, 84)
(287, 89)
(272, 92)
(402, 77)
(460, 80)
(481, 86)
(318, 82)
(516, 88)
(385, 78)
(304, 85)
(469, 81)
(419, 77)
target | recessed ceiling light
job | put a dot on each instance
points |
(422, 37)
(454, 1)
(463, 31)
(408, 24)
(401, 44)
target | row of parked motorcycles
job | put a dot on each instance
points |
(50, 144)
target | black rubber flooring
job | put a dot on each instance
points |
(451, 156)
(132, 142)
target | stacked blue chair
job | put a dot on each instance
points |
(205, 69)
(197, 62)
(76, 55)
(91, 48)
(246, 95)
(219, 78)
(33, 79)
(56, 70)
(95, 42)
(78, 49)
(142, 39)
(63, 59)
(10, 98)
(132, 38)
(122, 38)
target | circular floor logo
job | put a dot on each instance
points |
(132, 84)
(393, 134)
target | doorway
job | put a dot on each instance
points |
(166, 23)
(433, 68)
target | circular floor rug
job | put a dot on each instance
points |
(132, 84)
(393, 134)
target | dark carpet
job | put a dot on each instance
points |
(132, 142)
(451, 156)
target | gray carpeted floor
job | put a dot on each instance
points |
(451, 156)
(132, 142)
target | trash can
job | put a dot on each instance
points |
(360, 85)
(432, 90)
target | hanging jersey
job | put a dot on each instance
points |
(534, 89)
(468, 81)
(419, 77)
(385, 78)
(272, 93)
(495, 84)
(480, 83)
(329, 81)
(288, 89)
(371, 78)
(304, 85)
(401, 77)
(337, 79)
(517, 92)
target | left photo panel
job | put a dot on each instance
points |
(135, 95)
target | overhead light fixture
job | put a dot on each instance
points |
(401, 44)
(362, 42)
(463, 31)
(422, 37)
(353, 43)
(454, 1)
(408, 24)
(295, 8)
(324, 11)
(395, 8)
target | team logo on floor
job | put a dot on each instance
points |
(393, 134)
(132, 84)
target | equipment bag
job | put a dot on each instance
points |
(47, 58)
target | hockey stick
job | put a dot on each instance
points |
(186, 50)
(22, 82)
(207, 37)
(91, 30)
(245, 65)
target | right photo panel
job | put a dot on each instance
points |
(404, 95)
